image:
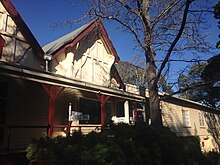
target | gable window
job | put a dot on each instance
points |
(3, 110)
(186, 118)
(120, 111)
(201, 120)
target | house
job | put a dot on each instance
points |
(44, 92)
(72, 84)
(189, 118)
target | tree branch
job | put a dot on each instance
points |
(166, 59)
(131, 29)
(173, 60)
(128, 7)
(164, 12)
(193, 86)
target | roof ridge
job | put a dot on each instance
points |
(55, 44)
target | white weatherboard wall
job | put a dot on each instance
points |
(173, 118)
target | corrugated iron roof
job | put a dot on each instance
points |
(55, 45)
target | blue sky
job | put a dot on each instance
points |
(39, 15)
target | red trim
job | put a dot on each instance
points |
(2, 44)
(118, 78)
(135, 111)
(103, 99)
(22, 26)
(2, 41)
(96, 23)
(46, 89)
(75, 40)
(10, 8)
(53, 94)
(68, 127)
(109, 42)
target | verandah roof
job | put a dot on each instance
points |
(16, 71)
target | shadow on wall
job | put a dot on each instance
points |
(15, 50)
(213, 122)
(172, 118)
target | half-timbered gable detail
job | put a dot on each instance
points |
(20, 45)
(85, 54)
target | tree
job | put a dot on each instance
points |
(161, 29)
(192, 77)
(135, 75)
(131, 74)
(207, 94)
(217, 16)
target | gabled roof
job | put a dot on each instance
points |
(56, 47)
(22, 27)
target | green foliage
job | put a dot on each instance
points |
(41, 149)
(121, 144)
(136, 75)
(212, 158)
(131, 74)
(207, 94)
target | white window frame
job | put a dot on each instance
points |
(186, 118)
(201, 119)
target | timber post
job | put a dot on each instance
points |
(103, 99)
(53, 94)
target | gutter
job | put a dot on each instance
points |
(15, 71)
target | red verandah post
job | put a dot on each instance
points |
(103, 99)
(53, 94)
(135, 110)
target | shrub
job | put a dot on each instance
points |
(122, 144)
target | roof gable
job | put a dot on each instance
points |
(71, 39)
(22, 26)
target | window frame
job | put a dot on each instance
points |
(186, 118)
(201, 120)
(121, 113)
(92, 120)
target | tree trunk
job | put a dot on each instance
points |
(154, 100)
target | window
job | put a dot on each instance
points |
(120, 111)
(3, 110)
(91, 108)
(201, 120)
(186, 118)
